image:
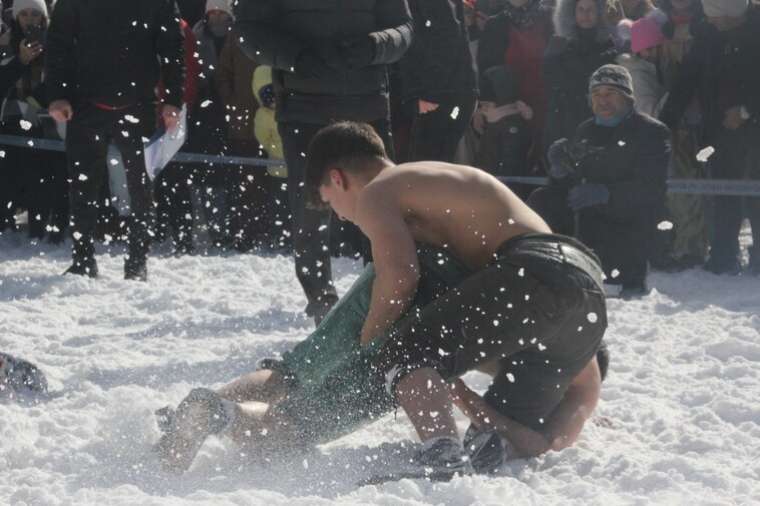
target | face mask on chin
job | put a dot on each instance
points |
(614, 120)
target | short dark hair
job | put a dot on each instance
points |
(349, 145)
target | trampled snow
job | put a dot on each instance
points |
(679, 420)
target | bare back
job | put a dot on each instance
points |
(463, 209)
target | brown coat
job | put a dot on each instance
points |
(233, 79)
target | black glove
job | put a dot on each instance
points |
(310, 64)
(587, 195)
(561, 163)
(359, 52)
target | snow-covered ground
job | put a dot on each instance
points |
(679, 421)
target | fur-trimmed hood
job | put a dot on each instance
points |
(564, 20)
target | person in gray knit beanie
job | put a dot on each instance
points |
(615, 76)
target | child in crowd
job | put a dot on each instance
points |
(506, 140)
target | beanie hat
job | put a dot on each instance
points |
(38, 5)
(728, 8)
(646, 33)
(613, 75)
(219, 5)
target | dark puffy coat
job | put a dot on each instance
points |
(633, 163)
(572, 56)
(631, 160)
(275, 32)
(715, 57)
(97, 49)
(439, 64)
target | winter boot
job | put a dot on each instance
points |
(201, 414)
(136, 263)
(84, 263)
(634, 291)
(442, 458)
(136, 268)
(485, 449)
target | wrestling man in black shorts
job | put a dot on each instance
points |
(533, 308)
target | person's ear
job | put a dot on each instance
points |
(337, 178)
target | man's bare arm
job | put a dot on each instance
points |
(394, 256)
(563, 426)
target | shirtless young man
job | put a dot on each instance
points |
(534, 306)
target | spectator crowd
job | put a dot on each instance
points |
(607, 98)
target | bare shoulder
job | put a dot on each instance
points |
(377, 201)
(415, 174)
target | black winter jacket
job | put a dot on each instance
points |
(275, 32)
(439, 64)
(630, 159)
(114, 52)
(713, 57)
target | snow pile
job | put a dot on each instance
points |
(679, 421)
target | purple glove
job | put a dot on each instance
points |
(587, 195)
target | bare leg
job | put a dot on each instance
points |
(424, 395)
(265, 385)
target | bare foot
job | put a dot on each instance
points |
(199, 415)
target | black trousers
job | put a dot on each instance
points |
(435, 135)
(36, 180)
(538, 309)
(251, 202)
(47, 192)
(87, 139)
(311, 227)
(737, 156)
